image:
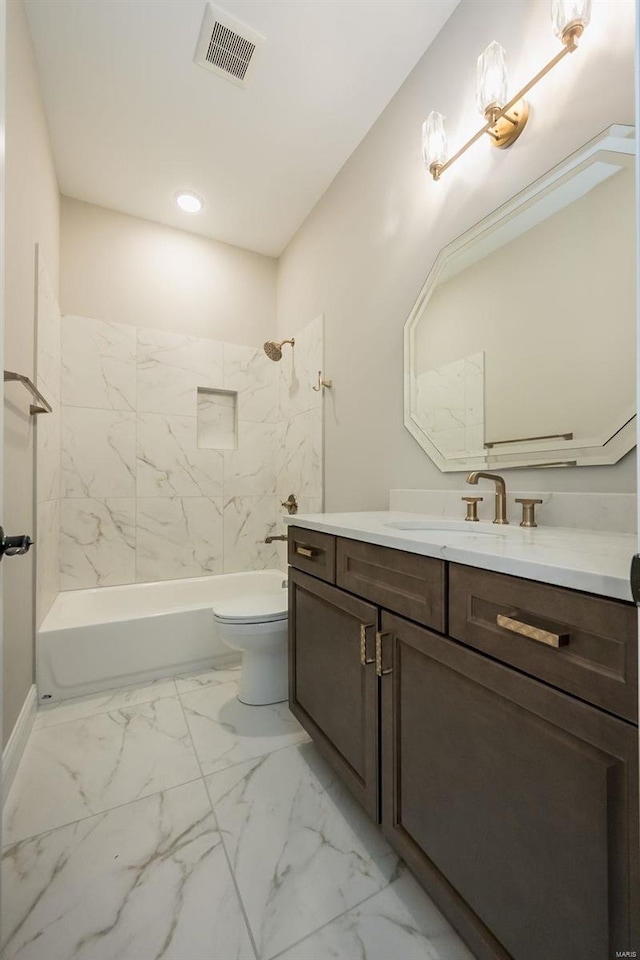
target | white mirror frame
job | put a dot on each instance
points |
(597, 450)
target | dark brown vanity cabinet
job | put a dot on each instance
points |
(333, 687)
(513, 802)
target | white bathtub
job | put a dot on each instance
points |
(95, 639)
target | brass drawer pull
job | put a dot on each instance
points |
(532, 633)
(379, 638)
(310, 552)
(364, 660)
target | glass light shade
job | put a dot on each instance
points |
(491, 88)
(434, 140)
(566, 12)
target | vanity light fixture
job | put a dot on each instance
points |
(189, 202)
(505, 120)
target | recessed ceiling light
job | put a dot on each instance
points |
(189, 202)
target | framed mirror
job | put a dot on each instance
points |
(520, 350)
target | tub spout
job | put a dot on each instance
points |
(281, 536)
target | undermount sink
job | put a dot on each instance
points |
(450, 526)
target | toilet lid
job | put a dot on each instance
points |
(253, 608)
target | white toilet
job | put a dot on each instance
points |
(257, 625)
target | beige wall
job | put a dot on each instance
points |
(363, 254)
(125, 270)
(32, 216)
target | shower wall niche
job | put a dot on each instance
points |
(217, 413)
(177, 451)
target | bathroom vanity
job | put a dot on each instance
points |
(487, 720)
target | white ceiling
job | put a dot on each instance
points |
(133, 120)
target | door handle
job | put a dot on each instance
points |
(364, 659)
(14, 546)
(379, 670)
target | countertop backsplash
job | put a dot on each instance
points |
(611, 512)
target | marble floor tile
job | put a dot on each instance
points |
(85, 766)
(400, 922)
(226, 732)
(149, 880)
(206, 678)
(302, 850)
(106, 702)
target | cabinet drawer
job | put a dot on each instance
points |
(313, 552)
(580, 643)
(405, 583)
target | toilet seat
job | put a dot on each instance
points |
(254, 608)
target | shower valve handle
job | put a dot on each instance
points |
(14, 546)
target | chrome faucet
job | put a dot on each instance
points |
(501, 493)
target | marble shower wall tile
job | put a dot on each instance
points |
(254, 377)
(171, 367)
(48, 323)
(251, 470)
(169, 462)
(47, 444)
(300, 443)
(299, 371)
(97, 543)
(98, 364)
(149, 879)
(179, 537)
(47, 556)
(48, 448)
(247, 521)
(98, 453)
(149, 502)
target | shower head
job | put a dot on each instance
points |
(274, 350)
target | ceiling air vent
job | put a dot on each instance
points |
(227, 46)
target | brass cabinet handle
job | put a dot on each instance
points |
(306, 551)
(379, 638)
(532, 633)
(364, 660)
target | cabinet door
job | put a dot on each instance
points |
(515, 804)
(333, 687)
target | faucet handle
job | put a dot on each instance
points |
(472, 507)
(528, 511)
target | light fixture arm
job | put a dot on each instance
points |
(569, 41)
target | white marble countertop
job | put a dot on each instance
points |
(588, 560)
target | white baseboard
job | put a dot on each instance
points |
(12, 753)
